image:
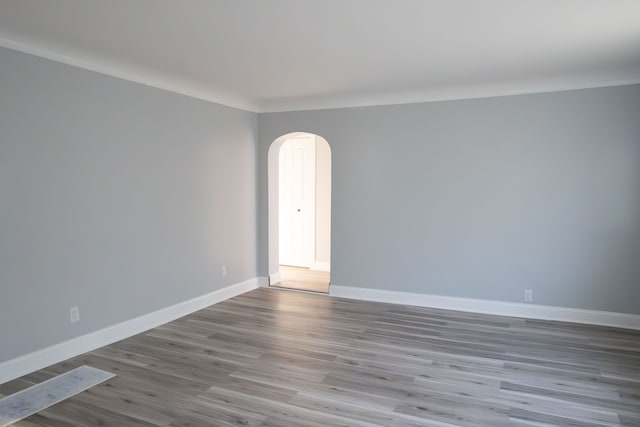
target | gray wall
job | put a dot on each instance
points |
(115, 197)
(483, 198)
(122, 199)
(323, 201)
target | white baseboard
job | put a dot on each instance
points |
(275, 278)
(320, 266)
(501, 308)
(22, 365)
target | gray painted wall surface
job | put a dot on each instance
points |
(323, 201)
(115, 197)
(483, 198)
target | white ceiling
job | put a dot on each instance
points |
(277, 55)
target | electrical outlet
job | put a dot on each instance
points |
(74, 314)
(223, 270)
(528, 295)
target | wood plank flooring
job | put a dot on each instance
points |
(276, 358)
(304, 279)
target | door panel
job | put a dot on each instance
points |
(297, 201)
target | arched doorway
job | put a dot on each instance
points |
(299, 212)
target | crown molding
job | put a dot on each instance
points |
(113, 70)
(301, 104)
(428, 96)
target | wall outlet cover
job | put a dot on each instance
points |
(528, 295)
(74, 314)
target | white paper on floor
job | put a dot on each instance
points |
(34, 399)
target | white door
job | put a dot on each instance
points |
(297, 176)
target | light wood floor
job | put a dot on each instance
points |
(304, 279)
(275, 358)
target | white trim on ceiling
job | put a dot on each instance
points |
(500, 308)
(299, 104)
(114, 71)
(421, 97)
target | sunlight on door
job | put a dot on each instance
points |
(303, 223)
(297, 176)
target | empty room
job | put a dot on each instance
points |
(354, 213)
